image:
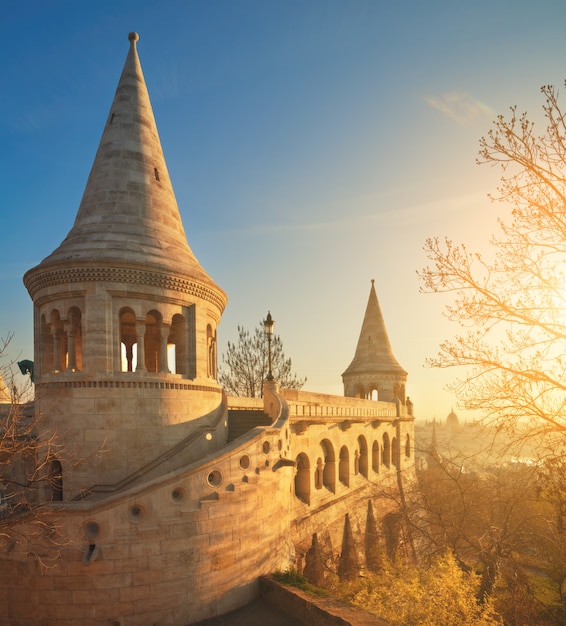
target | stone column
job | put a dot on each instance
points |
(71, 348)
(140, 338)
(163, 365)
(56, 349)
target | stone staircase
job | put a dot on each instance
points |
(241, 421)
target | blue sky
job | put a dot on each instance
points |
(313, 145)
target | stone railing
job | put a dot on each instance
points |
(238, 403)
(309, 404)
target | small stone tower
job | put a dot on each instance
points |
(374, 370)
(125, 317)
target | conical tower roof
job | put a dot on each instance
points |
(128, 213)
(373, 352)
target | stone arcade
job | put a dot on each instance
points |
(173, 497)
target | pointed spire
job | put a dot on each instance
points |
(373, 353)
(348, 565)
(314, 565)
(373, 555)
(128, 212)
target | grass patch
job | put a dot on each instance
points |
(294, 578)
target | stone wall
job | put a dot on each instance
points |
(193, 543)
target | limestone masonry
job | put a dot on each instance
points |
(172, 497)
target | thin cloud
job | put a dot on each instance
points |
(358, 213)
(459, 106)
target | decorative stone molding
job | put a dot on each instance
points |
(126, 384)
(38, 279)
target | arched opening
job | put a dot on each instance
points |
(128, 340)
(74, 344)
(172, 358)
(56, 481)
(302, 479)
(386, 452)
(375, 457)
(319, 474)
(152, 341)
(329, 470)
(373, 392)
(363, 458)
(211, 345)
(177, 346)
(58, 340)
(407, 447)
(344, 466)
(359, 391)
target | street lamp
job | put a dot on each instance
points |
(268, 324)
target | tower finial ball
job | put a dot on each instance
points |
(133, 37)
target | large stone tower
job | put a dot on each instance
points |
(125, 317)
(374, 369)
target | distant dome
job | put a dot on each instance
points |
(452, 420)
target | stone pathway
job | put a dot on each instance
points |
(258, 613)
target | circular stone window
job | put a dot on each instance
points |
(91, 530)
(178, 495)
(136, 513)
(245, 462)
(266, 447)
(214, 478)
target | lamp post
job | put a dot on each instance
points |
(268, 324)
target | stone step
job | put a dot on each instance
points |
(242, 421)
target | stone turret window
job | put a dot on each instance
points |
(177, 345)
(128, 340)
(152, 345)
(408, 447)
(61, 342)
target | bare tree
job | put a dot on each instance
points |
(246, 365)
(512, 304)
(30, 471)
(499, 519)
